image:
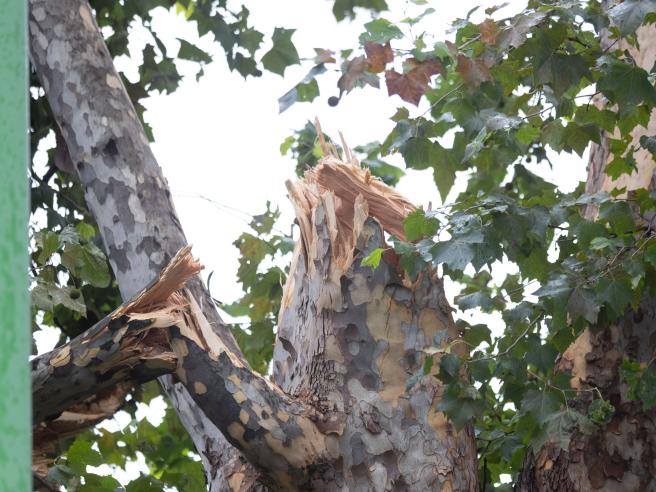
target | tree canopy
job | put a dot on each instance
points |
(497, 94)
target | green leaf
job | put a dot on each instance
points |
(449, 367)
(601, 411)
(562, 72)
(615, 292)
(527, 134)
(583, 303)
(461, 404)
(97, 483)
(373, 258)
(283, 53)
(417, 225)
(346, 8)
(47, 295)
(618, 166)
(85, 231)
(541, 405)
(380, 31)
(455, 254)
(286, 145)
(646, 388)
(618, 215)
(560, 427)
(48, 243)
(541, 355)
(627, 85)
(80, 454)
(305, 91)
(630, 14)
(192, 52)
(474, 300)
(88, 263)
(251, 40)
(648, 143)
(144, 484)
(477, 334)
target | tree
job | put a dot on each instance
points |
(374, 385)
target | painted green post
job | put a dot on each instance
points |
(15, 393)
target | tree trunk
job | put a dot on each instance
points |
(124, 186)
(620, 456)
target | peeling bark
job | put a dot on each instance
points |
(123, 184)
(620, 456)
(349, 338)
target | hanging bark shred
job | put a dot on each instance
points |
(73, 421)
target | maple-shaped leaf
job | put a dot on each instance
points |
(355, 74)
(324, 56)
(378, 55)
(474, 72)
(412, 84)
(488, 29)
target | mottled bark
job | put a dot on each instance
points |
(131, 344)
(619, 456)
(113, 350)
(123, 184)
(350, 337)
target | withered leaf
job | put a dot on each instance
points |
(413, 84)
(355, 74)
(488, 29)
(378, 55)
(474, 72)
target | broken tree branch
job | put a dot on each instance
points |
(131, 343)
(163, 330)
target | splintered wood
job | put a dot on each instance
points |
(340, 195)
(181, 268)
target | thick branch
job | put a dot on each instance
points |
(130, 344)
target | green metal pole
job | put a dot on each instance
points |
(15, 393)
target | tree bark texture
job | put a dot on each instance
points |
(620, 456)
(124, 186)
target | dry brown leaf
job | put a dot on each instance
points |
(488, 29)
(355, 74)
(413, 84)
(378, 56)
(474, 72)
